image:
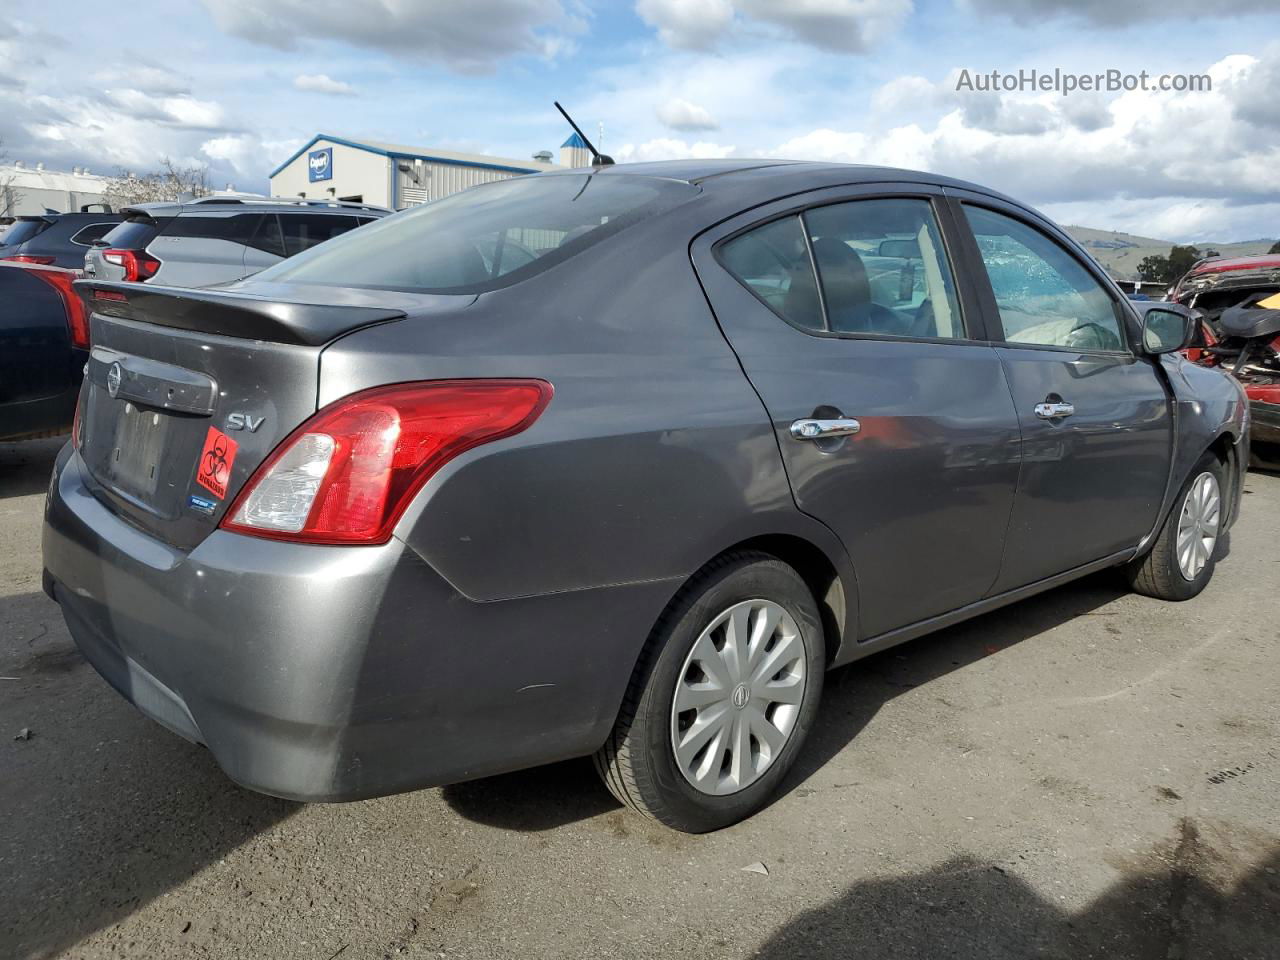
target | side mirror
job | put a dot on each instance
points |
(1167, 328)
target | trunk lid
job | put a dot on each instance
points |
(186, 392)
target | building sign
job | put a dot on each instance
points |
(320, 164)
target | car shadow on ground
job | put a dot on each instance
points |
(101, 810)
(25, 466)
(1180, 899)
(554, 795)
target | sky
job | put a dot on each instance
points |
(238, 85)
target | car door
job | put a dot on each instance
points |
(891, 411)
(198, 250)
(1095, 416)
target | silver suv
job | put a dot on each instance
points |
(218, 239)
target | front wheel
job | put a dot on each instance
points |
(722, 698)
(1181, 562)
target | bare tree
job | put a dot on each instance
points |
(10, 196)
(170, 182)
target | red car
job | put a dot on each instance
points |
(1238, 300)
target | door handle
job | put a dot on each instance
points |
(811, 429)
(1056, 410)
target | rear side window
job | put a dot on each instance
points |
(135, 233)
(880, 269)
(24, 230)
(267, 236)
(1044, 294)
(235, 229)
(773, 262)
(486, 237)
(302, 231)
(94, 231)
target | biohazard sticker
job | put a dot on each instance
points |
(214, 469)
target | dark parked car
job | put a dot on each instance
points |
(404, 510)
(44, 343)
(219, 238)
(56, 239)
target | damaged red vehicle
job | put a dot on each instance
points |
(1238, 300)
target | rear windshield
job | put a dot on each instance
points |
(24, 230)
(486, 237)
(135, 233)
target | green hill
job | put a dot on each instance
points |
(1120, 252)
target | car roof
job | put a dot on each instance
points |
(1227, 264)
(793, 175)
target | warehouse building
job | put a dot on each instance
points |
(392, 175)
(31, 190)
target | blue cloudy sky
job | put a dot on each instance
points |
(238, 84)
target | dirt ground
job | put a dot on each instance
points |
(1085, 774)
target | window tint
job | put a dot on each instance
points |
(235, 229)
(302, 231)
(883, 269)
(773, 262)
(94, 231)
(485, 237)
(1045, 295)
(24, 230)
(268, 237)
(135, 233)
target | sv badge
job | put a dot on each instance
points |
(244, 421)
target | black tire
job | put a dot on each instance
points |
(638, 761)
(1157, 574)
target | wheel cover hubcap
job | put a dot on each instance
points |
(1198, 525)
(738, 697)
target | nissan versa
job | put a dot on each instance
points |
(614, 462)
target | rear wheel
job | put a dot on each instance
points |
(1181, 562)
(722, 698)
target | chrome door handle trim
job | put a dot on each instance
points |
(1054, 411)
(810, 429)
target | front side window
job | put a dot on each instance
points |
(874, 267)
(1045, 295)
(486, 237)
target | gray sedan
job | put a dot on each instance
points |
(614, 462)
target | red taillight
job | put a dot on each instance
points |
(27, 258)
(77, 318)
(348, 473)
(138, 264)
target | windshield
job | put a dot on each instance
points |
(486, 237)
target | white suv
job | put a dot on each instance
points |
(218, 239)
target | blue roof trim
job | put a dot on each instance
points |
(504, 168)
(575, 141)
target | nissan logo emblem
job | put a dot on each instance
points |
(114, 376)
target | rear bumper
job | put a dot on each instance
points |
(337, 673)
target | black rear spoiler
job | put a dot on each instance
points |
(230, 314)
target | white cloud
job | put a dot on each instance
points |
(141, 75)
(844, 26)
(248, 154)
(470, 39)
(322, 83)
(667, 149)
(1183, 165)
(690, 24)
(682, 115)
(1103, 12)
(904, 94)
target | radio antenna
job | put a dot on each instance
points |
(598, 159)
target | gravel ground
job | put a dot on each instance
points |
(1085, 774)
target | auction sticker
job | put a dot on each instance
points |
(214, 469)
